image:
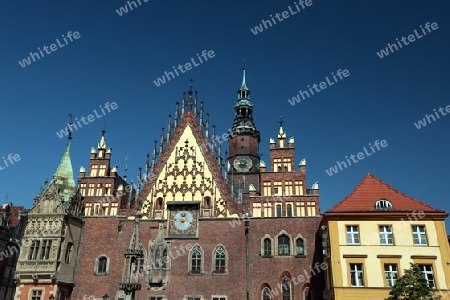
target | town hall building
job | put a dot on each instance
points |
(197, 225)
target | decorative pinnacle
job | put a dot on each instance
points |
(281, 121)
(190, 85)
(244, 84)
(70, 126)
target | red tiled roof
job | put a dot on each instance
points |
(372, 189)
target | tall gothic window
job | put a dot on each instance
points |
(196, 260)
(307, 294)
(299, 247)
(278, 210)
(267, 247)
(283, 245)
(266, 294)
(102, 263)
(286, 286)
(289, 210)
(220, 259)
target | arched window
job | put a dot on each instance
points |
(289, 210)
(278, 210)
(220, 260)
(266, 294)
(267, 247)
(196, 260)
(299, 247)
(102, 265)
(96, 209)
(159, 203)
(283, 245)
(306, 294)
(286, 287)
(207, 202)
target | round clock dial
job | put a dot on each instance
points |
(242, 164)
(183, 220)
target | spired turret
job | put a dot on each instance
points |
(244, 158)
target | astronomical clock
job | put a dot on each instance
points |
(183, 219)
(242, 164)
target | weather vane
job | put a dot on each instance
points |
(281, 121)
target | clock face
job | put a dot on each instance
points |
(242, 164)
(183, 220)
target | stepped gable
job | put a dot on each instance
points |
(189, 121)
(370, 190)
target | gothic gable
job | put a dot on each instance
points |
(187, 171)
(49, 202)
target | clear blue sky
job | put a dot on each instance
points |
(117, 58)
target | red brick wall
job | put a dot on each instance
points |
(270, 271)
(100, 237)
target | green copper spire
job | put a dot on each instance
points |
(63, 176)
(244, 84)
(243, 93)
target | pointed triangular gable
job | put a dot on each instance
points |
(370, 190)
(187, 171)
(49, 202)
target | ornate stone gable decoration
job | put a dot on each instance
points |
(183, 219)
(49, 202)
(186, 171)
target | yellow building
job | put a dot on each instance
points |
(371, 236)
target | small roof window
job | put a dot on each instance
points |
(383, 204)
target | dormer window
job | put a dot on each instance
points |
(383, 204)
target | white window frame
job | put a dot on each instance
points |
(353, 234)
(386, 234)
(421, 236)
(357, 269)
(391, 274)
(427, 273)
(41, 296)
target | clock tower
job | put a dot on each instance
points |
(243, 143)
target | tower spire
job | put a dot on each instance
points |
(63, 175)
(244, 84)
(243, 110)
